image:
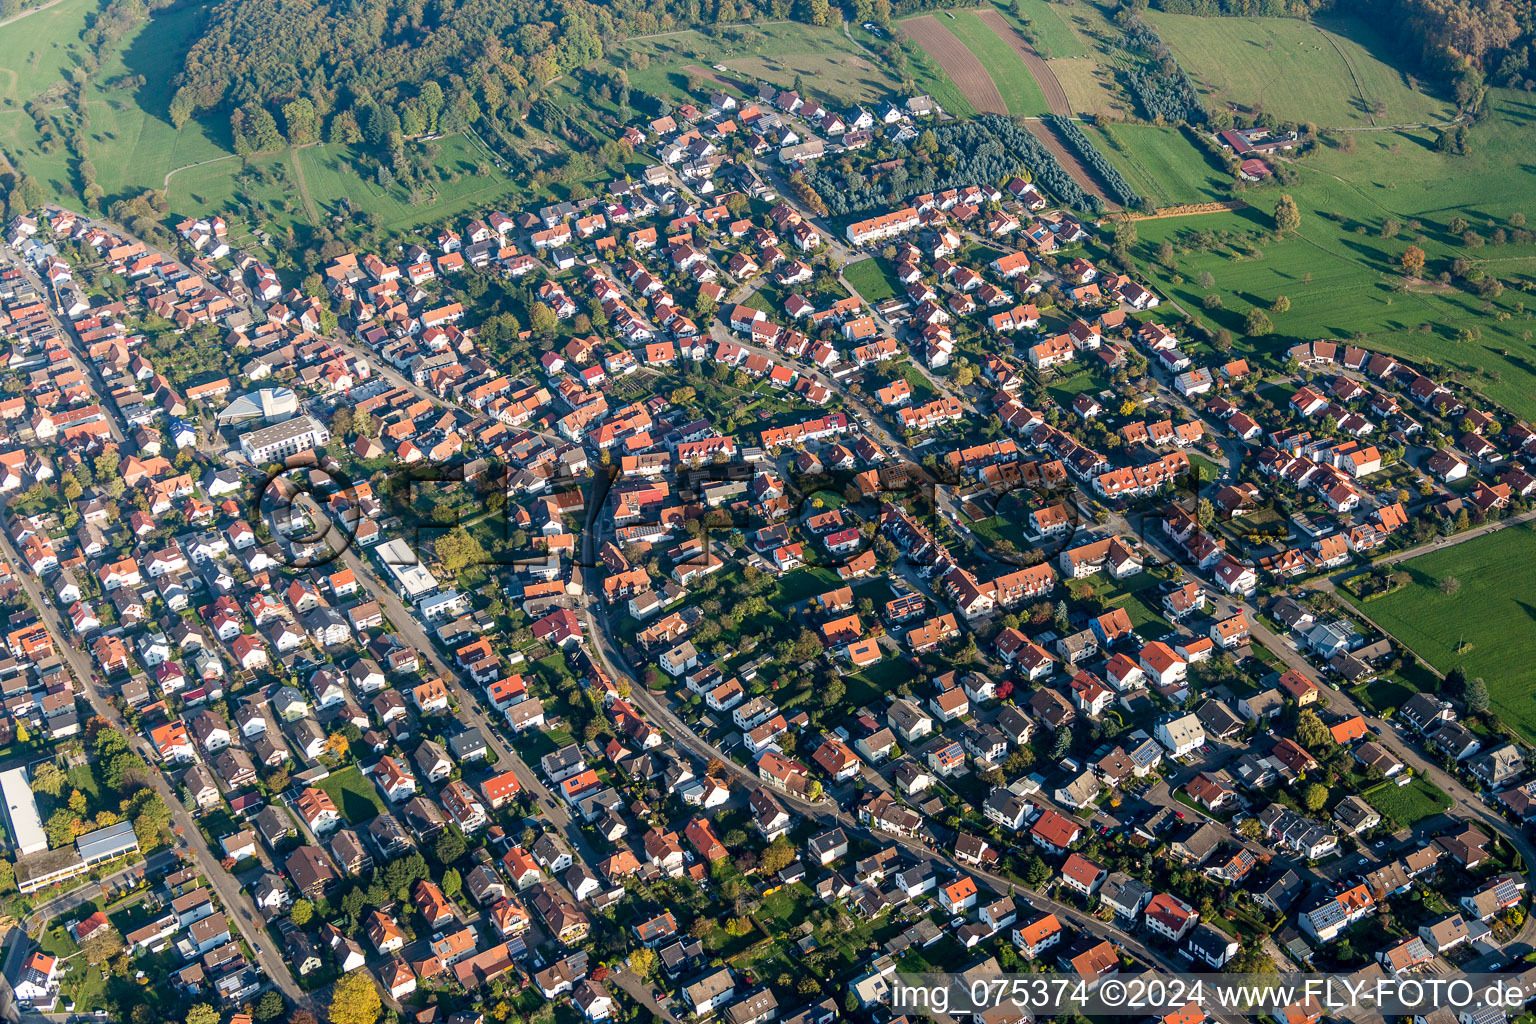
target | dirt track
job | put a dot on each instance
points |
(959, 63)
(1055, 95)
(1069, 161)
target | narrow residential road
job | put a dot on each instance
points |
(470, 711)
(235, 899)
(1402, 742)
(66, 332)
(826, 811)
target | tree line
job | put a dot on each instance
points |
(1463, 43)
(1108, 173)
(1162, 88)
(989, 148)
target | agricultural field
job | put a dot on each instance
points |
(1090, 87)
(1333, 76)
(958, 62)
(1484, 627)
(1161, 163)
(1013, 79)
(1047, 28)
(1342, 276)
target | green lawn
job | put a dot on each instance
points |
(872, 684)
(35, 50)
(1139, 596)
(356, 797)
(1408, 805)
(1384, 694)
(1299, 70)
(1341, 273)
(330, 181)
(1162, 163)
(870, 280)
(1051, 36)
(1489, 618)
(1207, 469)
(800, 584)
(130, 139)
(1013, 79)
(833, 67)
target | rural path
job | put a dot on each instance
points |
(165, 185)
(29, 12)
(1365, 104)
(1457, 538)
(958, 62)
(1055, 95)
(1402, 127)
(311, 210)
(870, 53)
(1069, 161)
(679, 31)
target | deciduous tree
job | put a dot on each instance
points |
(355, 1000)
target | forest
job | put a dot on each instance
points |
(374, 74)
(987, 148)
(1162, 88)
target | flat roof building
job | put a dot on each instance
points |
(283, 439)
(410, 577)
(108, 843)
(39, 870)
(21, 811)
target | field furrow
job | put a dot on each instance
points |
(959, 63)
(1055, 95)
(1069, 161)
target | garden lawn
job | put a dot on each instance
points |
(1408, 805)
(870, 280)
(1298, 70)
(873, 683)
(1489, 618)
(800, 584)
(355, 796)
